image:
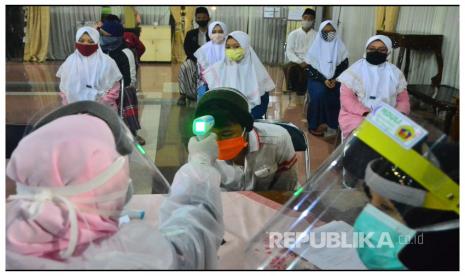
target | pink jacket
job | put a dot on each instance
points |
(351, 113)
(108, 99)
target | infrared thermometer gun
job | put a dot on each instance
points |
(202, 126)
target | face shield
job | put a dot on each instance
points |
(144, 175)
(386, 199)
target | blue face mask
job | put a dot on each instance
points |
(109, 43)
(388, 236)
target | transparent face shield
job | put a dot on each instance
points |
(385, 199)
(145, 177)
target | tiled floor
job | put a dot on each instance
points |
(165, 126)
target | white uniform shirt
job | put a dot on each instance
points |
(298, 43)
(268, 164)
(202, 37)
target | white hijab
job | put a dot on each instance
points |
(99, 71)
(249, 76)
(210, 53)
(374, 84)
(325, 56)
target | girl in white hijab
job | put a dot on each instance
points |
(88, 73)
(241, 69)
(369, 82)
(210, 53)
(328, 58)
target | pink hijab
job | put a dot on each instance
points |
(63, 203)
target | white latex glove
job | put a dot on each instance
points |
(203, 152)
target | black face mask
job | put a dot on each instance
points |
(202, 23)
(376, 58)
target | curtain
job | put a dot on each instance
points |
(268, 35)
(432, 20)
(386, 18)
(355, 25)
(37, 33)
(129, 17)
(236, 18)
(14, 20)
(65, 21)
(292, 25)
(151, 14)
(183, 19)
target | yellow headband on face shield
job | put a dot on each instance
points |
(443, 192)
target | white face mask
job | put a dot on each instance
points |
(307, 24)
(217, 38)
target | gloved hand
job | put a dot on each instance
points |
(205, 151)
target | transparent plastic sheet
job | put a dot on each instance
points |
(186, 237)
(307, 210)
(142, 169)
(331, 201)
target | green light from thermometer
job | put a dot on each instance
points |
(202, 125)
(299, 191)
(140, 148)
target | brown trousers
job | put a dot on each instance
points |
(296, 77)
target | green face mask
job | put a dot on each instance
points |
(235, 54)
(387, 235)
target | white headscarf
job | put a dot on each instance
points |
(99, 71)
(210, 52)
(374, 84)
(249, 76)
(325, 56)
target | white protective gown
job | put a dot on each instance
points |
(189, 234)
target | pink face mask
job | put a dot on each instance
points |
(217, 38)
